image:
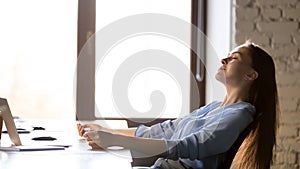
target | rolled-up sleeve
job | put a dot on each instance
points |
(162, 130)
(215, 138)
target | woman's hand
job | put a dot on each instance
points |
(86, 127)
(99, 139)
(141, 147)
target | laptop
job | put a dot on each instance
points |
(6, 116)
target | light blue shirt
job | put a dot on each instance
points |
(200, 137)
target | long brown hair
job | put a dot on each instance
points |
(256, 151)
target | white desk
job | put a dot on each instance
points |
(78, 156)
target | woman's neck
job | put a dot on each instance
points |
(235, 95)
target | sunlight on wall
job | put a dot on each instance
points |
(38, 57)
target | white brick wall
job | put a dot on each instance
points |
(281, 39)
(275, 25)
(281, 27)
(271, 13)
(292, 13)
(276, 2)
(248, 13)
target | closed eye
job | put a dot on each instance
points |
(231, 58)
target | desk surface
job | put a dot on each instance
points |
(77, 156)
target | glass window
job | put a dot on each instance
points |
(38, 56)
(145, 82)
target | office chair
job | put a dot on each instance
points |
(230, 154)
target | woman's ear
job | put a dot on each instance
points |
(251, 76)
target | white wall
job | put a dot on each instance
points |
(219, 44)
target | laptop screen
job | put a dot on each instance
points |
(6, 116)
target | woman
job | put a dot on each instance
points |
(199, 139)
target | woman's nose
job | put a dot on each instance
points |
(224, 61)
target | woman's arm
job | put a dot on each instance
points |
(126, 132)
(95, 127)
(140, 147)
(214, 138)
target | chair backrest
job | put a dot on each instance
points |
(230, 154)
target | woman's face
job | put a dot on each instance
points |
(236, 67)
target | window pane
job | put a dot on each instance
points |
(145, 82)
(38, 56)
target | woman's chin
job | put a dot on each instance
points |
(219, 77)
